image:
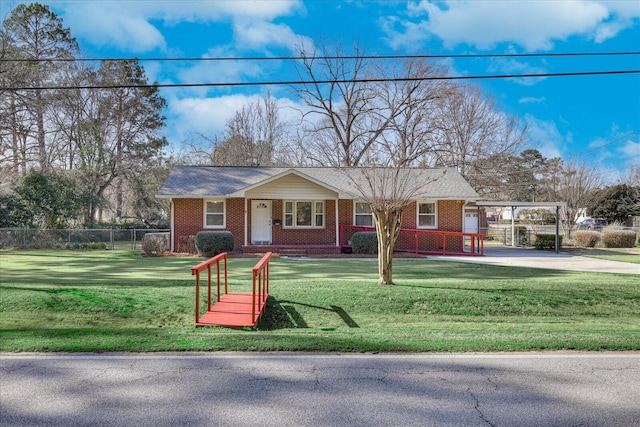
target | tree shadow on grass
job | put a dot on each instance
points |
(284, 315)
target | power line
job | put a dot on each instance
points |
(337, 81)
(332, 57)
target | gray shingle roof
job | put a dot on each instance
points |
(224, 181)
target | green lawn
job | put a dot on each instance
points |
(118, 301)
(631, 255)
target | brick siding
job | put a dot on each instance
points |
(189, 220)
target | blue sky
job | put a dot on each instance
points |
(592, 119)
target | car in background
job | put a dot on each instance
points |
(594, 224)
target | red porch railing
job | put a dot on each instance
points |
(261, 282)
(426, 242)
(237, 309)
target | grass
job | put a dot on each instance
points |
(631, 255)
(118, 301)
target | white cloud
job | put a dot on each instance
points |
(129, 25)
(532, 100)
(630, 150)
(513, 66)
(104, 24)
(189, 117)
(255, 34)
(533, 25)
(545, 137)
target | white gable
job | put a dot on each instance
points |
(291, 186)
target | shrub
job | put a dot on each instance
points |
(586, 239)
(546, 241)
(618, 238)
(364, 242)
(212, 243)
(188, 244)
(154, 244)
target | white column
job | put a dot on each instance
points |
(246, 223)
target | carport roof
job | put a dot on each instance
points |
(492, 203)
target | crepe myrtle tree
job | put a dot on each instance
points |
(388, 191)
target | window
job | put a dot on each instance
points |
(214, 216)
(362, 214)
(303, 214)
(427, 215)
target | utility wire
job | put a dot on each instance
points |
(334, 57)
(337, 81)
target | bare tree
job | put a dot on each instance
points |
(250, 138)
(411, 88)
(633, 199)
(349, 117)
(388, 190)
(376, 117)
(39, 36)
(475, 137)
(575, 183)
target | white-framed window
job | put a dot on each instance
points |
(362, 214)
(214, 214)
(427, 214)
(303, 214)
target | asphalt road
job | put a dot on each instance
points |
(529, 389)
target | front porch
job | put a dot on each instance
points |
(293, 250)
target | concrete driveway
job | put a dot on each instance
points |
(532, 258)
(532, 389)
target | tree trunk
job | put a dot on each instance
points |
(387, 227)
(42, 147)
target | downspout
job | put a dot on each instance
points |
(464, 217)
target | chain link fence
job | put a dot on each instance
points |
(105, 238)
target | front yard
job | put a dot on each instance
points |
(119, 301)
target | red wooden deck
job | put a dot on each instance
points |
(234, 310)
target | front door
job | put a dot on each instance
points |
(261, 222)
(470, 226)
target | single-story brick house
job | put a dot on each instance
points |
(310, 208)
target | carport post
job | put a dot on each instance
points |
(513, 226)
(557, 229)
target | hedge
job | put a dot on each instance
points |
(364, 242)
(546, 241)
(212, 243)
(618, 239)
(586, 239)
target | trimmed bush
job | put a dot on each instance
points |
(618, 238)
(364, 242)
(586, 239)
(546, 241)
(154, 244)
(212, 243)
(188, 244)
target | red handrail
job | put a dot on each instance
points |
(195, 271)
(261, 275)
(477, 239)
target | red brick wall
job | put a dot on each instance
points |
(304, 236)
(189, 220)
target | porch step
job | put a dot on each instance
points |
(290, 251)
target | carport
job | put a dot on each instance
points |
(514, 205)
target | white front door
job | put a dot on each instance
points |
(261, 222)
(470, 226)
